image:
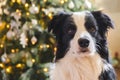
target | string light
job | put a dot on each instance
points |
(47, 46)
(1, 45)
(27, 13)
(50, 15)
(19, 65)
(45, 69)
(26, 39)
(45, 0)
(19, 1)
(8, 69)
(2, 65)
(26, 5)
(55, 49)
(33, 60)
(62, 1)
(30, 27)
(43, 9)
(13, 50)
(8, 26)
(17, 10)
(41, 46)
(13, 1)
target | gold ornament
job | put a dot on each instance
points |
(2, 25)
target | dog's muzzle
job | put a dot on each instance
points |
(83, 43)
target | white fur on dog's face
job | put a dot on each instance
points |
(79, 19)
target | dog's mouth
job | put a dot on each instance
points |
(83, 50)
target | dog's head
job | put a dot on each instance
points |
(80, 32)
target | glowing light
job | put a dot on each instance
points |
(62, 1)
(19, 65)
(55, 49)
(13, 50)
(27, 13)
(19, 1)
(17, 10)
(8, 69)
(26, 5)
(2, 65)
(43, 9)
(13, 1)
(47, 46)
(1, 45)
(45, 69)
(26, 39)
(41, 46)
(30, 27)
(50, 15)
(8, 26)
(45, 0)
(33, 60)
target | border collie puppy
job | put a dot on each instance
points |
(82, 52)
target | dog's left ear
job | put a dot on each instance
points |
(103, 22)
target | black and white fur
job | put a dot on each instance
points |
(82, 52)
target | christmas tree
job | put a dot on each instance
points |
(26, 48)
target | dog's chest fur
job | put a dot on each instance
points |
(74, 67)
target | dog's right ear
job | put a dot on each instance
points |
(55, 25)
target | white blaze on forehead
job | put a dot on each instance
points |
(79, 19)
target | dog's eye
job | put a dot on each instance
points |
(71, 31)
(92, 29)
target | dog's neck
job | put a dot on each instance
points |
(73, 67)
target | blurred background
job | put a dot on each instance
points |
(27, 49)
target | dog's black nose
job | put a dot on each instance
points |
(83, 42)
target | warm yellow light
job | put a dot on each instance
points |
(41, 46)
(27, 13)
(19, 65)
(33, 60)
(26, 5)
(30, 27)
(47, 46)
(62, 1)
(50, 15)
(45, 69)
(1, 45)
(55, 49)
(2, 65)
(8, 26)
(19, 1)
(19, 13)
(26, 39)
(13, 1)
(13, 50)
(8, 69)
(43, 9)
(17, 10)
(45, 0)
